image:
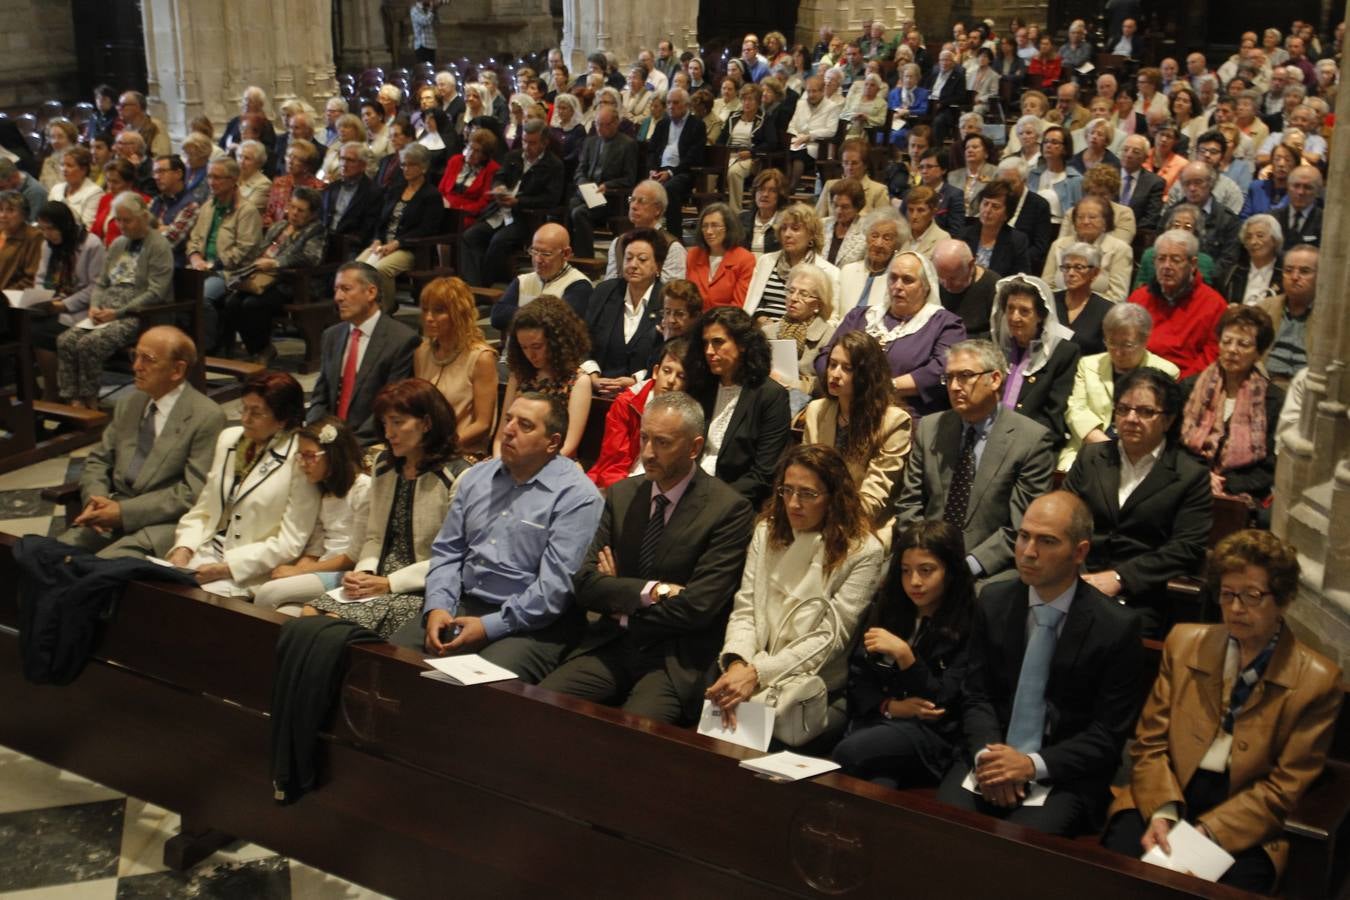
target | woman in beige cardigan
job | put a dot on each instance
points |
(810, 573)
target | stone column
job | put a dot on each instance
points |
(846, 18)
(623, 28)
(201, 55)
(1312, 478)
(38, 62)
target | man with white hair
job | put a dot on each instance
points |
(253, 102)
(448, 96)
(1304, 118)
(334, 109)
(1028, 211)
(1197, 180)
(1140, 189)
(1185, 310)
(646, 209)
(131, 107)
(1301, 218)
(946, 85)
(674, 150)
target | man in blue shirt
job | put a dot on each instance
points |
(500, 582)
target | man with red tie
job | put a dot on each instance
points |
(361, 354)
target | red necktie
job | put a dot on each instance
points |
(349, 375)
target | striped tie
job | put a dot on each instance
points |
(651, 538)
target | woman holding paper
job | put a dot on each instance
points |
(812, 567)
(1238, 723)
(810, 306)
(409, 498)
(904, 686)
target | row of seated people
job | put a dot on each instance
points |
(804, 605)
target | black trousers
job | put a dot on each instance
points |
(678, 188)
(584, 220)
(251, 316)
(425, 55)
(485, 252)
(1064, 813)
(620, 673)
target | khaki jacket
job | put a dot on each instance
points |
(1280, 738)
(240, 231)
(878, 479)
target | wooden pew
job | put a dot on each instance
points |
(503, 789)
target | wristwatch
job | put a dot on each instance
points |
(661, 592)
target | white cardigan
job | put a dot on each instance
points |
(274, 510)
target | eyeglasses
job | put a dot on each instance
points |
(963, 379)
(1143, 413)
(805, 295)
(1123, 345)
(136, 356)
(309, 458)
(542, 254)
(806, 495)
(1245, 599)
(1074, 267)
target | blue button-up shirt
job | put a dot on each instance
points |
(514, 546)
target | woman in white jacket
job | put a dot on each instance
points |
(811, 571)
(257, 509)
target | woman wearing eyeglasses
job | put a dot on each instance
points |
(1231, 408)
(810, 573)
(1042, 356)
(1080, 308)
(1238, 723)
(1150, 500)
(1093, 221)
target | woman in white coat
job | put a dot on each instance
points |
(812, 568)
(802, 238)
(257, 509)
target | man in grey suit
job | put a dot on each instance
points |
(977, 465)
(663, 587)
(154, 456)
(609, 160)
(360, 354)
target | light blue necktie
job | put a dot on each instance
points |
(1026, 729)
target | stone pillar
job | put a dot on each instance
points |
(846, 17)
(38, 62)
(200, 56)
(1312, 478)
(623, 28)
(364, 42)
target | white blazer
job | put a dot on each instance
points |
(274, 513)
(852, 278)
(764, 266)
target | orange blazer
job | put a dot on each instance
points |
(1280, 738)
(732, 281)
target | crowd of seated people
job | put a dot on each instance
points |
(1116, 288)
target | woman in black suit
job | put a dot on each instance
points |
(727, 371)
(1042, 356)
(996, 245)
(617, 360)
(416, 211)
(760, 223)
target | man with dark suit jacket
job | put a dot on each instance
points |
(1052, 683)
(351, 205)
(360, 354)
(1140, 189)
(1301, 217)
(949, 209)
(536, 177)
(152, 462)
(978, 464)
(609, 160)
(946, 84)
(1029, 212)
(672, 161)
(662, 591)
(302, 129)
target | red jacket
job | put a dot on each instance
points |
(619, 448)
(732, 281)
(475, 196)
(1184, 333)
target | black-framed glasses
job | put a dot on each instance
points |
(1245, 599)
(1142, 413)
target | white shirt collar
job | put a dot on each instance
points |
(164, 405)
(367, 328)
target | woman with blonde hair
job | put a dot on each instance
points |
(801, 237)
(456, 359)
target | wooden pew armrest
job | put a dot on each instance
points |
(67, 496)
(1325, 807)
(1186, 586)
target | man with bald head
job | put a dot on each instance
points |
(964, 287)
(551, 272)
(152, 462)
(673, 152)
(609, 161)
(1068, 111)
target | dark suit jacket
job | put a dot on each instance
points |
(613, 165)
(1221, 240)
(388, 358)
(540, 188)
(1033, 221)
(953, 92)
(1014, 469)
(1011, 252)
(362, 213)
(770, 235)
(1045, 394)
(765, 138)
(702, 548)
(950, 214)
(604, 320)
(1311, 233)
(937, 674)
(755, 438)
(422, 215)
(1162, 530)
(693, 140)
(1092, 696)
(1147, 200)
(974, 305)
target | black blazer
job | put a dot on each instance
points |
(1236, 286)
(1045, 394)
(702, 548)
(1221, 239)
(422, 215)
(604, 320)
(693, 141)
(937, 674)
(1033, 221)
(1257, 479)
(1162, 530)
(755, 438)
(953, 92)
(1147, 200)
(540, 188)
(950, 214)
(1311, 233)
(1087, 328)
(974, 305)
(770, 234)
(1012, 254)
(362, 214)
(388, 358)
(764, 138)
(1092, 696)
(612, 165)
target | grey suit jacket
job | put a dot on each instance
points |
(388, 358)
(613, 165)
(1015, 468)
(702, 548)
(174, 472)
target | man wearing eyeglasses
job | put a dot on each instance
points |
(979, 464)
(1185, 310)
(147, 471)
(551, 272)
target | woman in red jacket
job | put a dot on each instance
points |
(720, 265)
(467, 183)
(621, 449)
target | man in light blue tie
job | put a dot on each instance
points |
(1053, 686)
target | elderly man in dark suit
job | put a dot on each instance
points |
(352, 204)
(978, 464)
(1052, 685)
(1028, 211)
(1301, 217)
(1140, 190)
(531, 179)
(154, 456)
(675, 149)
(360, 354)
(609, 160)
(946, 84)
(661, 572)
